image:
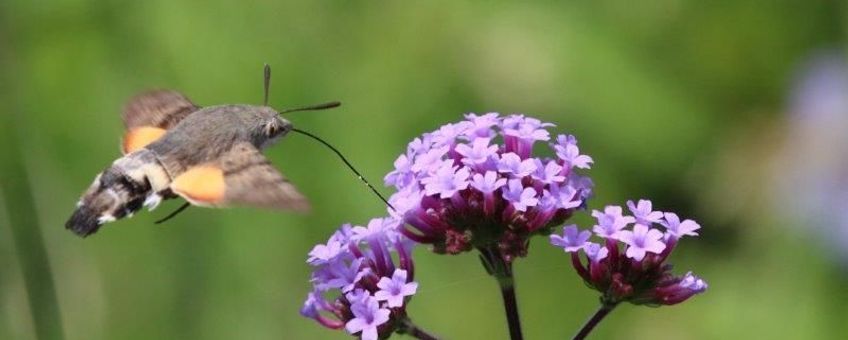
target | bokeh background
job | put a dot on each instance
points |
(733, 113)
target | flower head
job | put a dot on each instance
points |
(477, 184)
(630, 265)
(357, 270)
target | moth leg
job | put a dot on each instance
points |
(152, 201)
(175, 213)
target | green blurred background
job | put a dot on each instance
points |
(687, 103)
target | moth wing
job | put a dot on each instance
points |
(242, 176)
(149, 115)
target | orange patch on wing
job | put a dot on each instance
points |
(201, 185)
(140, 137)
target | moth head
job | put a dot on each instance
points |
(273, 129)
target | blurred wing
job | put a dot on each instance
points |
(243, 176)
(149, 115)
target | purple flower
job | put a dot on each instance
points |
(393, 290)
(641, 240)
(512, 121)
(352, 265)
(610, 221)
(430, 160)
(677, 229)
(447, 180)
(402, 175)
(511, 163)
(481, 126)
(520, 134)
(582, 184)
(630, 263)
(566, 139)
(519, 196)
(548, 174)
(528, 131)
(367, 317)
(693, 283)
(678, 290)
(447, 134)
(325, 253)
(565, 197)
(460, 198)
(572, 239)
(358, 295)
(487, 183)
(343, 275)
(478, 154)
(644, 213)
(594, 252)
(405, 200)
(376, 228)
(570, 154)
(313, 308)
(419, 146)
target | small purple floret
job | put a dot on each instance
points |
(367, 316)
(642, 240)
(519, 196)
(393, 290)
(677, 229)
(572, 239)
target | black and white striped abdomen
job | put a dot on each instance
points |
(130, 183)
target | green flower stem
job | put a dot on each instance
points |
(409, 328)
(501, 269)
(594, 320)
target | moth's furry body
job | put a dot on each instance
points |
(205, 135)
(225, 139)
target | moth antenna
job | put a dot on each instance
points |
(175, 213)
(361, 178)
(267, 83)
(323, 106)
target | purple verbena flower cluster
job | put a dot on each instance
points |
(476, 184)
(356, 269)
(630, 264)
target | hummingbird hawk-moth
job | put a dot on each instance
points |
(210, 156)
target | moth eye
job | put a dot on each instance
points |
(272, 129)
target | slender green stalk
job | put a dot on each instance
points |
(24, 226)
(20, 209)
(501, 269)
(409, 328)
(594, 321)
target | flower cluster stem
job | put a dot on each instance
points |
(409, 328)
(590, 324)
(511, 306)
(501, 269)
